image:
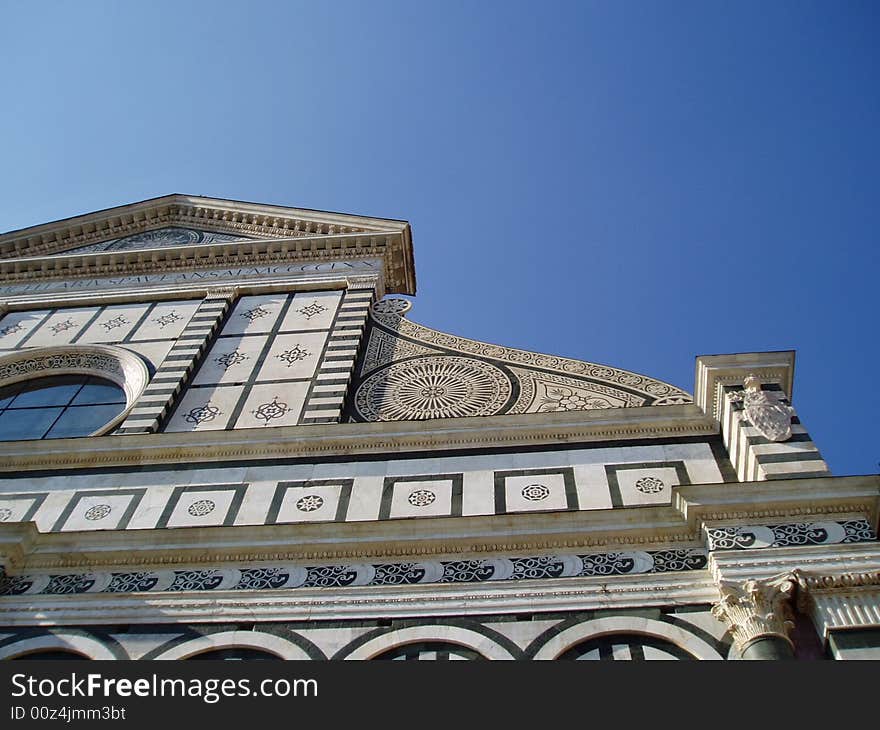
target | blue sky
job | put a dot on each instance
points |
(631, 183)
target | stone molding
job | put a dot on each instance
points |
(345, 576)
(225, 216)
(576, 594)
(754, 609)
(834, 601)
(385, 246)
(714, 372)
(352, 439)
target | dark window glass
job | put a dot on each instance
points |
(62, 406)
(98, 391)
(8, 393)
(82, 420)
(27, 423)
(48, 392)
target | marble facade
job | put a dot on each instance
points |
(302, 471)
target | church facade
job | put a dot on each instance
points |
(223, 436)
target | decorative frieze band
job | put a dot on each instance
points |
(360, 574)
(749, 537)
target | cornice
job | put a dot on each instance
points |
(24, 548)
(756, 502)
(713, 372)
(225, 216)
(315, 249)
(567, 594)
(353, 439)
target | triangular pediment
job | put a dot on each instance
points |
(181, 221)
(160, 238)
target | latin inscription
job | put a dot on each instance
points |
(188, 276)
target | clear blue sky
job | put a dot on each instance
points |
(632, 183)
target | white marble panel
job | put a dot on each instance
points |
(49, 512)
(153, 352)
(310, 504)
(167, 320)
(61, 327)
(101, 512)
(114, 323)
(273, 404)
(591, 483)
(205, 409)
(293, 356)
(151, 506)
(538, 492)
(311, 311)
(14, 510)
(636, 485)
(256, 503)
(478, 492)
(202, 508)
(15, 326)
(366, 499)
(429, 498)
(231, 360)
(253, 315)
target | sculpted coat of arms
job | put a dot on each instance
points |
(764, 410)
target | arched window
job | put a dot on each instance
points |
(54, 654)
(59, 406)
(236, 653)
(67, 391)
(430, 651)
(627, 647)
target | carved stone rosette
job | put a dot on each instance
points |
(755, 609)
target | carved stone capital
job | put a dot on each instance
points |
(757, 608)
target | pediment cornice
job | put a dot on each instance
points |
(282, 234)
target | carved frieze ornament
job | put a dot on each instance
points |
(757, 608)
(764, 410)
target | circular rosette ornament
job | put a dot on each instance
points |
(433, 387)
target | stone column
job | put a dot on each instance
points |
(760, 615)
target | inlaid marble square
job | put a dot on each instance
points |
(99, 510)
(539, 491)
(644, 483)
(231, 360)
(15, 326)
(311, 311)
(205, 409)
(114, 323)
(61, 327)
(293, 356)
(20, 507)
(273, 404)
(311, 501)
(203, 506)
(167, 320)
(256, 314)
(421, 496)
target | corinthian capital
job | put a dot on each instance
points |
(757, 608)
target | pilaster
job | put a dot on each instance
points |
(326, 398)
(748, 394)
